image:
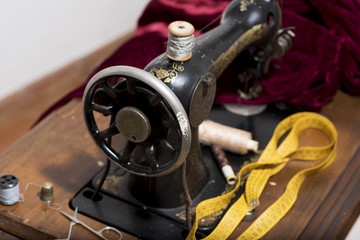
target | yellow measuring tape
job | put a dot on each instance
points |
(271, 161)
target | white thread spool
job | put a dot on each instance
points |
(180, 41)
(229, 138)
(9, 190)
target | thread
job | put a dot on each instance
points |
(181, 41)
(50, 205)
(231, 139)
(10, 193)
(9, 190)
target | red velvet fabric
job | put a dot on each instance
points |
(324, 57)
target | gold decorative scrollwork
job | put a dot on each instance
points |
(250, 36)
(167, 75)
(244, 4)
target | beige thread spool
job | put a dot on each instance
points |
(229, 138)
(180, 41)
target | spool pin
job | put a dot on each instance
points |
(229, 138)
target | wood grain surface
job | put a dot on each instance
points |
(60, 150)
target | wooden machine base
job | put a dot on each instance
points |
(59, 150)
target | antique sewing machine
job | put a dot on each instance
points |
(146, 122)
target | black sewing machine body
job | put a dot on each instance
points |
(146, 197)
(250, 31)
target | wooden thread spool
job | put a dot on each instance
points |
(180, 41)
(224, 165)
(229, 138)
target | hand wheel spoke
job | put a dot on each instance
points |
(108, 90)
(167, 146)
(106, 110)
(151, 158)
(170, 124)
(130, 84)
(127, 151)
(109, 132)
(155, 99)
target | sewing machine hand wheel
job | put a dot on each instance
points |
(145, 112)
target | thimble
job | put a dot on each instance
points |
(47, 192)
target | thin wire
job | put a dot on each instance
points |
(281, 3)
(217, 18)
(51, 205)
(102, 180)
(22, 195)
(209, 24)
(187, 195)
(107, 168)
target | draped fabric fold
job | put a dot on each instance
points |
(325, 55)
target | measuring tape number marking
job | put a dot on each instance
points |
(273, 159)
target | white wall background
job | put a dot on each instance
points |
(40, 36)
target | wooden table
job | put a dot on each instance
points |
(59, 150)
